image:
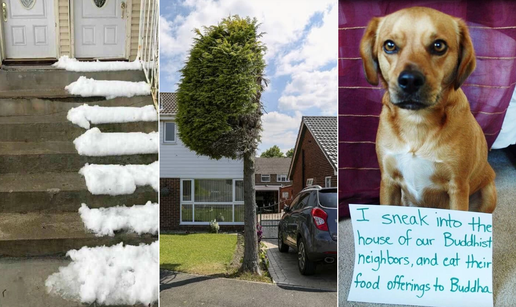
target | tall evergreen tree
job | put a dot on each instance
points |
(219, 106)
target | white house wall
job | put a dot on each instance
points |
(177, 161)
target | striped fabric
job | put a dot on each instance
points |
(492, 26)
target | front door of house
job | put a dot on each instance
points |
(29, 29)
(100, 28)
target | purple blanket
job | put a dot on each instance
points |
(492, 26)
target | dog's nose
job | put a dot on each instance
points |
(411, 81)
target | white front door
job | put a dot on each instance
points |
(100, 28)
(29, 28)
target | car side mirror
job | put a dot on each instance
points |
(286, 209)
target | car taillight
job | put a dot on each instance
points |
(320, 217)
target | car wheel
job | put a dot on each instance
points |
(283, 248)
(306, 267)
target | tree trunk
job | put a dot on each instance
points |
(250, 262)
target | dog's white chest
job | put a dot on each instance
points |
(416, 171)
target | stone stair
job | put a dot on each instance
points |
(49, 82)
(40, 188)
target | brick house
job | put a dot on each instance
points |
(272, 175)
(315, 154)
(195, 189)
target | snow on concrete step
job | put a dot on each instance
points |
(56, 156)
(45, 120)
(58, 192)
(86, 115)
(89, 87)
(71, 64)
(51, 128)
(38, 234)
(46, 82)
(23, 282)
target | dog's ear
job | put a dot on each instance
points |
(467, 61)
(368, 51)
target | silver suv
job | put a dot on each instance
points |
(310, 227)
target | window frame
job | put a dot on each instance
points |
(193, 202)
(164, 127)
(309, 182)
(326, 180)
(261, 178)
(283, 176)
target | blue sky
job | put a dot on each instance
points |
(301, 37)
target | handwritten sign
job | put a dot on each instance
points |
(421, 256)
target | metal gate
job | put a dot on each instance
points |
(269, 217)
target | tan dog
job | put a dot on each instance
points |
(431, 150)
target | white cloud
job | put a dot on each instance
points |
(279, 129)
(318, 49)
(283, 22)
(311, 89)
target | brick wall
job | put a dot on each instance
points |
(169, 205)
(170, 210)
(316, 165)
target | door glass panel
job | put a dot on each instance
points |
(28, 4)
(99, 3)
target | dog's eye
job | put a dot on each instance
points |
(390, 47)
(439, 47)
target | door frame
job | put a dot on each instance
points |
(127, 48)
(56, 29)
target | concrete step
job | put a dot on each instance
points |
(47, 82)
(45, 120)
(42, 234)
(56, 156)
(59, 192)
(23, 283)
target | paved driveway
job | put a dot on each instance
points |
(284, 271)
(181, 289)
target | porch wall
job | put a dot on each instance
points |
(64, 28)
(135, 29)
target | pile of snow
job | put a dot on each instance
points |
(105, 221)
(95, 143)
(114, 179)
(110, 89)
(85, 114)
(69, 64)
(116, 275)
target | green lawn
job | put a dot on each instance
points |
(201, 253)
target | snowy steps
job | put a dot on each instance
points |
(49, 82)
(59, 192)
(25, 120)
(42, 234)
(25, 278)
(56, 156)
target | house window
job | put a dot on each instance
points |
(282, 178)
(187, 190)
(205, 200)
(327, 182)
(284, 195)
(266, 178)
(239, 190)
(309, 182)
(169, 132)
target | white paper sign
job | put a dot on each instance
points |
(421, 256)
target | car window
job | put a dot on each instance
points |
(294, 202)
(303, 199)
(328, 198)
(313, 199)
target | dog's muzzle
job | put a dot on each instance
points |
(410, 82)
